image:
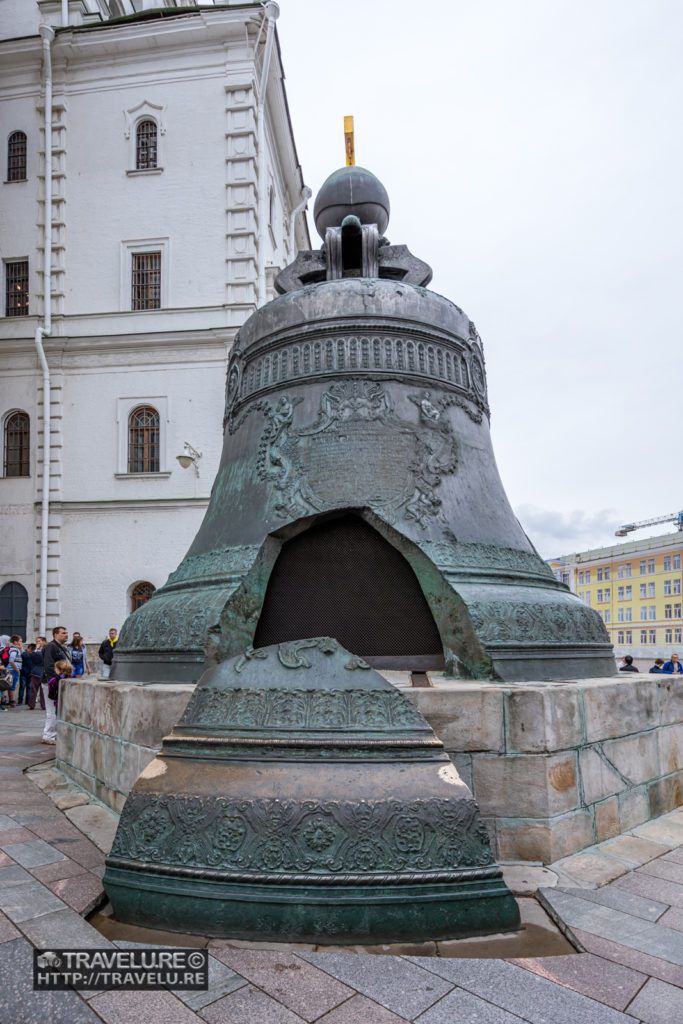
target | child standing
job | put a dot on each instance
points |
(63, 670)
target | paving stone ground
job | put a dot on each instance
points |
(630, 930)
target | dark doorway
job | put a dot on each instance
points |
(341, 578)
(13, 609)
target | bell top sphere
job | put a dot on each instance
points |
(351, 191)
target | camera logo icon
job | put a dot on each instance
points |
(48, 959)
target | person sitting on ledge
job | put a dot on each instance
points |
(628, 666)
(657, 667)
(673, 666)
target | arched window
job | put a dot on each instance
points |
(143, 440)
(16, 157)
(146, 145)
(140, 594)
(16, 460)
(13, 606)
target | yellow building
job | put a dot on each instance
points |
(636, 588)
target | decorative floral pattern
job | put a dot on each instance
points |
(502, 622)
(250, 708)
(304, 837)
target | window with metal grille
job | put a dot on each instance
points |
(16, 288)
(146, 145)
(143, 440)
(146, 291)
(141, 594)
(16, 461)
(16, 157)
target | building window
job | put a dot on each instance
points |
(677, 586)
(677, 561)
(650, 590)
(677, 635)
(620, 593)
(581, 577)
(143, 440)
(643, 590)
(668, 636)
(643, 636)
(599, 574)
(587, 597)
(629, 637)
(16, 157)
(643, 566)
(608, 615)
(16, 288)
(643, 612)
(146, 280)
(653, 636)
(16, 447)
(650, 565)
(667, 587)
(620, 615)
(627, 569)
(620, 572)
(629, 593)
(607, 571)
(588, 575)
(620, 636)
(146, 145)
(140, 594)
(677, 611)
(652, 612)
(667, 611)
(667, 563)
(565, 578)
(629, 615)
(599, 596)
(607, 593)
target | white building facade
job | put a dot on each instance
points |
(176, 196)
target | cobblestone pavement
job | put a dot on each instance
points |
(631, 929)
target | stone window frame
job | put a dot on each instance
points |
(125, 406)
(17, 161)
(6, 425)
(137, 246)
(133, 117)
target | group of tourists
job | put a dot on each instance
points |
(660, 667)
(34, 673)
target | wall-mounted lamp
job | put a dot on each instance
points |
(190, 458)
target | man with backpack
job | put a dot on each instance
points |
(54, 651)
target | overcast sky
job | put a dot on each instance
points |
(532, 151)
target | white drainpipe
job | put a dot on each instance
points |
(306, 194)
(272, 12)
(48, 35)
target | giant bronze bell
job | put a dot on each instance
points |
(303, 798)
(358, 495)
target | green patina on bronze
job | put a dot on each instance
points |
(360, 393)
(303, 798)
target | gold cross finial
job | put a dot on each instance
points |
(348, 142)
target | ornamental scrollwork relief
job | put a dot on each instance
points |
(330, 837)
(252, 708)
(388, 463)
(502, 622)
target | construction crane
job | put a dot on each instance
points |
(672, 517)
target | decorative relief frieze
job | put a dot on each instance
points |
(290, 654)
(227, 561)
(168, 623)
(251, 708)
(503, 622)
(438, 363)
(308, 837)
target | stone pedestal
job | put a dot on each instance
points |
(554, 767)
